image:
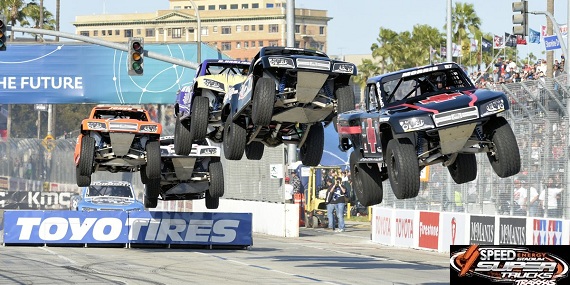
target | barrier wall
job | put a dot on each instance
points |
(275, 219)
(430, 230)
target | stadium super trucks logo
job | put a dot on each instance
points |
(514, 265)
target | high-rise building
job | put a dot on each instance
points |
(238, 28)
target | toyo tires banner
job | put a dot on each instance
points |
(67, 73)
(111, 227)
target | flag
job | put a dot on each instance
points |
(486, 45)
(456, 50)
(443, 51)
(474, 44)
(563, 29)
(521, 40)
(498, 42)
(510, 40)
(543, 31)
(533, 36)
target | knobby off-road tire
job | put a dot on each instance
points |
(403, 168)
(144, 178)
(234, 140)
(151, 192)
(182, 138)
(82, 180)
(216, 189)
(153, 160)
(254, 150)
(367, 184)
(464, 168)
(212, 202)
(312, 150)
(345, 101)
(199, 119)
(263, 101)
(87, 156)
(505, 157)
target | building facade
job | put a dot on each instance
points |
(238, 28)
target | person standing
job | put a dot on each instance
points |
(548, 199)
(296, 182)
(288, 191)
(336, 200)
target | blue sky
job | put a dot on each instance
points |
(355, 24)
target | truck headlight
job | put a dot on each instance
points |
(214, 84)
(96, 126)
(493, 107)
(281, 62)
(416, 123)
(343, 68)
(149, 128)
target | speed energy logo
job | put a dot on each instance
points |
(514, 265)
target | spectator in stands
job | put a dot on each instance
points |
(336, 201)
(519, 198)
(459, 201)
(288, 191)
(548, 198)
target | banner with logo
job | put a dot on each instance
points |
(512, 231)
(548, 231)
(406, 223)
(454, 229)
(382, 225)
(482, 229)
(111, 227)
(428, 234)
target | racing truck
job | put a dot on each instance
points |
(423, 116)
(198, 106)
(117, 139)
(198, 175)
(107, 196)
(288, 95)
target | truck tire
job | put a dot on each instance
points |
(151, 192)
(403, 168)
(216, 189)
(87, 156)
(182, 138)
(312, 150)
(263, 101)
(505, 156)
(153, 160)
(144, 178)
(234, 140)
(212, 202)
(345, 101)
(82, 180)
(254, 150)
(199, 119)
(464, 168)
(366, 181)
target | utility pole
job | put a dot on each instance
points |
(290, 19)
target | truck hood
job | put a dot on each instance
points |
(443, 102)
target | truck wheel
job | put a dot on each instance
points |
(367, 184)
(254, 150)
(151, 192)
(345, 101)
(144, 178)
(216, 189)
(234, 140)
(403, 168)
(87, 156)
(263, 101)
(504, 156)
(312, 150)
(153, 160)
(199, 119)
(182, 138)
(82, 180)
(464, 168)
(211, 202)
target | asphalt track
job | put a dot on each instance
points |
(318, 256)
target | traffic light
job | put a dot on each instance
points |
(136, 51)
(3, 33)
(520, 21)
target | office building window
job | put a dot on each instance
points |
(149, 32)
(269, 5)
(128, 33)
(238, 28)
(226, 30)
(226, 46)
(321, 30)
(211, 7)
(252, 43)
(297, 29)
(176, 33)
(253, 28)
(223, 7)
(177, 7)
(272, 43)
(238, 44)
(110, 32)
(95, 33)
(103, 32)
(234, 6)
(260, 28)
(246, 44)
(273, 28)
(246, 28)
(245, 6)
(117, 32)
(215, 29)
(84, 33)
(201, 8)
(138, 32)
(255, 5)
(205, 31)
(260, 43)
(161, 31)
(297, 44)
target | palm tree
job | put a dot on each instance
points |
(465, 24)
(13, 11)
(32, 11)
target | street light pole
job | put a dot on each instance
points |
(199, 35)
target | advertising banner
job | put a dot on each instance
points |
(512, 231)
(547, 232)
(382, 225)
(482, 230)
(454, 229)
(404, 227)
(429, 230)
(68, 73)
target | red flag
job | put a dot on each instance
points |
(521, 40)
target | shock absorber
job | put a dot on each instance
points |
(328, 91)
(282, 83)
(419, 144)
(479, 133)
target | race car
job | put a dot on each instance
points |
(117, 139)
(107, 196)
(422, 116)
(198, 175)
(288, 94)
(198, 106)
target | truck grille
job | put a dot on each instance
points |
(123, 126)
(456, 116)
